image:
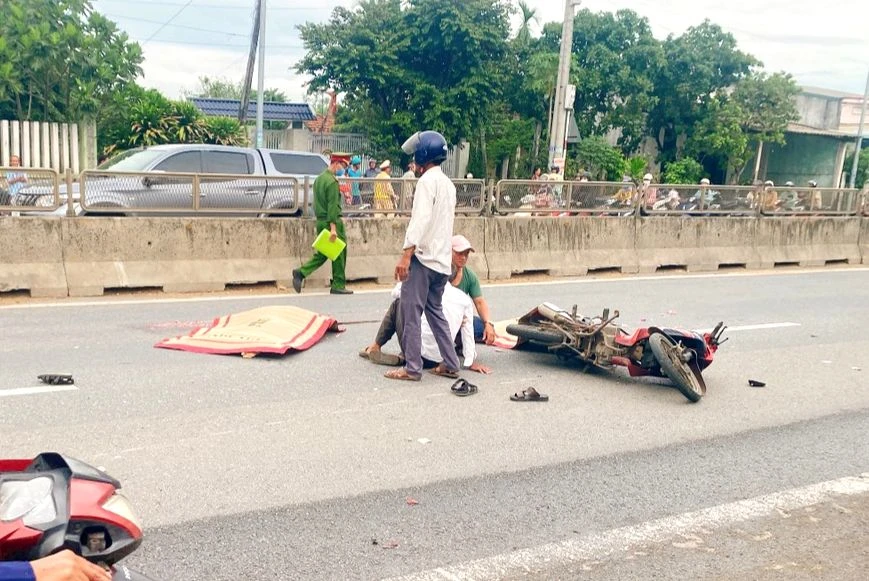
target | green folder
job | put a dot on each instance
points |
(330, 250)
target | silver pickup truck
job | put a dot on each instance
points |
(163, 192)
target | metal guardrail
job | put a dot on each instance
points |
(112, 192)
(690, 199)
(556, 198)
(552, 197)
(812, 201)
(394, 196)
(29, 190)
(32, 190)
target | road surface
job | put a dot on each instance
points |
(301, 467)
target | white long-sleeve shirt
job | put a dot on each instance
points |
(458, 310)
(431, 222)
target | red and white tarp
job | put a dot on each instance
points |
(262, 330)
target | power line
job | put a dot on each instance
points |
(180, 10)
(221, 6)
(135, 19)
(224, 45)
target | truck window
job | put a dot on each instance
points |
(291, 163)
(232, 162)
(186, 161)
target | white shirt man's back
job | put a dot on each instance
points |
(431, 223)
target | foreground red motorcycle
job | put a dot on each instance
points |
(677, 355)
(54, 502)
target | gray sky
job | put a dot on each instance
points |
(821, 43)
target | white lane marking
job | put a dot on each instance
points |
(599, 545)
(758, 327)
(270, 297)
(35, 390)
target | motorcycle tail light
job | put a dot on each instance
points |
(28, 500)
(119, 505)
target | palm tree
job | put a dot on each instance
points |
(529, 15)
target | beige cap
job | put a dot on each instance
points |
(385, 165)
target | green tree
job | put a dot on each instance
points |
(600, 159)
(683, 171)
(698, 65)
(410, 65)
(862, 167)
(61, 60)
(756, 112)
(146, 117)
(529, 16)
(224, 131)
(615, 57)
(720, 136)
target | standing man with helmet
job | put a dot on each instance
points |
(327, 210)
(426, 264)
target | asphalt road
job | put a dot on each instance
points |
(300, 467)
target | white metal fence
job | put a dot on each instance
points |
(40, 145)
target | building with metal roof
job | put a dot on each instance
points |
(272, 110)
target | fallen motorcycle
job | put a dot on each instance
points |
(677, 355)
(54, 502)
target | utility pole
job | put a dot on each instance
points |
(261, 74)
(251, 58)
(853, 181)
(558, 133)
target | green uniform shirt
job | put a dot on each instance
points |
(470, 284)
(327, 198)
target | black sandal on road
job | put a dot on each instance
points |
(529, 394)
(462, 388)
(56, 378)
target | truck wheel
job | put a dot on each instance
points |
(679, 372)
(535, 334)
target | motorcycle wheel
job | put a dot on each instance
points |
(679, 372)
(536, 334)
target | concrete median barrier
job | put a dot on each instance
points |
(374, 247)
(54, 257)
(31, 256)
(696, 244)
(559, 246)
(176, 254)
(864, 239)
(810, 241)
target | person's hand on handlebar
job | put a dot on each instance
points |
(67, 566)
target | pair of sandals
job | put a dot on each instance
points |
(463, 388)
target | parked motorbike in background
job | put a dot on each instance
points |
(53, 502)
(677, 355)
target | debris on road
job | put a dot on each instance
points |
(411, 501)
(56, 378)
(756, 383)
(390, 544)
(424, 441)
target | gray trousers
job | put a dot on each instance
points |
(423, 292)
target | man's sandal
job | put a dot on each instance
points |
(529, 394)
(462, 388)
(402, 375)
(442, 371)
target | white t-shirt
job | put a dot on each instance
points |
(458, 310)
(431, 222)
